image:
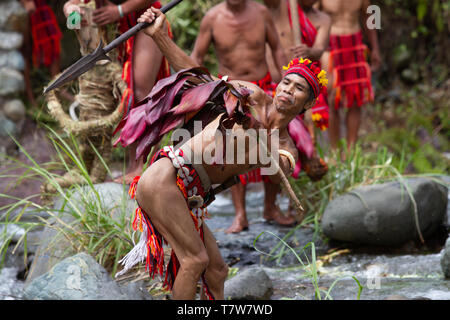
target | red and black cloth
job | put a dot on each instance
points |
(46, 35)
(351, 72)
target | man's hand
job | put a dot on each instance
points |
(156, 19)
(107, 14)
(375, 60)
(301, 51)
(69, 8)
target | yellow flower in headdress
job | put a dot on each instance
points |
(322, 76)
(307, 61)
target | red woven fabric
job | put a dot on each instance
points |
(351, 72)
(308, 30)
(46, 35)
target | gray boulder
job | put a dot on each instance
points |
(14, 110)
(78, 278)
(383, 214)
(249, 284)
(11, 81)
(53, 246)
(445, 259)
(12, 59)
(10, 40)
(12, 16)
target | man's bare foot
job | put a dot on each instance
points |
(274, 214)
(240, 223)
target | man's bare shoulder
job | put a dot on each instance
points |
(215, 11)
(262, 9)
(322, 18)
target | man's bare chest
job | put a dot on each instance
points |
(250, 34)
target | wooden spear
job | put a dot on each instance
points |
(296, 31)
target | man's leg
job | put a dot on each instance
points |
(334, 120)
(26, 50)
(271, 210)
(158, 194)
(240, 221)
(353, 122)
(217, 270)
(146, 64)
(334, 127)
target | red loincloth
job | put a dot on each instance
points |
(351, 72)
(152, 240)
(126, 57)
(46, 35)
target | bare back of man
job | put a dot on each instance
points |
(239, 30)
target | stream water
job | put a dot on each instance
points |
(379, 275)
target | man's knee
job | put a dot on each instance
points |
(196, 264)
(221, 272)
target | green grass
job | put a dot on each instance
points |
(309, 268)
(84, 221)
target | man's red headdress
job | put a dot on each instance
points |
(316, 77)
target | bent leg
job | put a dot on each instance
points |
(159, 196)
(217, 270)
(146, 64)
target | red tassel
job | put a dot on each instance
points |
(132, 190)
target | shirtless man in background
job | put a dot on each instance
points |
(348, 72)
(239, 31)
(312, 46)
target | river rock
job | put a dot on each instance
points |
(53, 246)
(77, 278)
(11, 231)
(14, 110)
(12, 16)
(11, 81)
(10, 40)
(383, 214)
(12, 60)
(249, 284)
(445, 259)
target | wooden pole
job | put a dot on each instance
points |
(296, 31)
(287, 186)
